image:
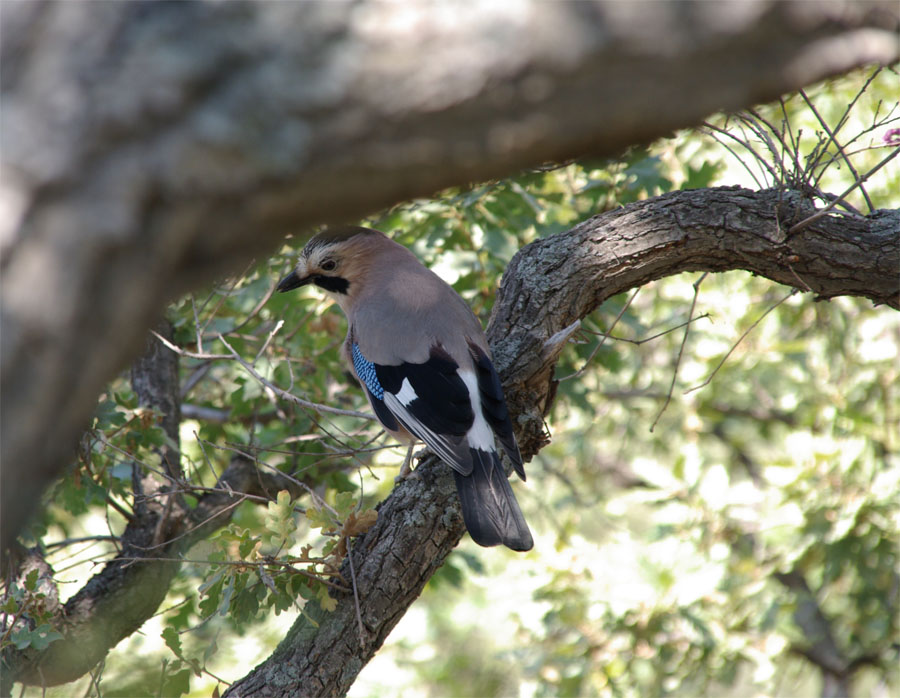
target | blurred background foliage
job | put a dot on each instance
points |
(670, 533)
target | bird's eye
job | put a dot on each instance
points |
(328, 265)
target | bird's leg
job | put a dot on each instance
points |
(406, 470)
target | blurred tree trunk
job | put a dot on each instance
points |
(149, 147)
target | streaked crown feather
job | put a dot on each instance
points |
(335, 236)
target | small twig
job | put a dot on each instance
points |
(259, 306)
(740, 339)
(321, 503)
(265, 345)
(840, 148)
(197, 331)
(234, 356)
(603, 338)
(644, 340)
(223, 296)
(82, 539)
(713, 130)
(191, 354)
(797, 227)
(359, 622)
(843, 119)
(687, 329)
(755, 123)
(288, 396)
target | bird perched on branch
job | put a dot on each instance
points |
(423, 361)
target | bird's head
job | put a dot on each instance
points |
(336, 260)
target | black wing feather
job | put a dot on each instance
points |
(494, 406)
(442, 399)
(441, 412)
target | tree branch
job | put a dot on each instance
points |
(548, 286)
(119, 599)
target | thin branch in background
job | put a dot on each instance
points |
(259, 306)
(740, 339)
(602, 338)
(241, 498)
(223, 295)
(320, 503)
(877, 124)
(197, 375)
(288, 396)
(197, 332)
(714, 131)
(96, 673)
(793, 141)
(128, 516)
(643, 340)
(832, 137)
(754, 124)
(845, 116)
(191, 354)
(797, 227)
(687, 329)
(234, 356)
(83, 539)
(262, 349)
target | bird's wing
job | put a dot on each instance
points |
(493, 405)
(430, 400)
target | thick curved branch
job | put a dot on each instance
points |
(548, 286)
(149, 147)
(554, 282)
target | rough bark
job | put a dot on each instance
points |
(148, 147)
(549, 286)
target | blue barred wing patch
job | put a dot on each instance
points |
(365, 369)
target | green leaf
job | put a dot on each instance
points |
(173, 641)
(280, 519)
(177, 683)
(31, 580)
(320, 518)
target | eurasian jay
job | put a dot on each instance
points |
(423, 361)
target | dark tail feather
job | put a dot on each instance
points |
(489, 506)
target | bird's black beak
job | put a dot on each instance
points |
(290, 282)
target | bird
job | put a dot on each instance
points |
(423, 361)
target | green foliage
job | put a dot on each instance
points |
(658, 551)
(27, 622)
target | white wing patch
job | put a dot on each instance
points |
(480, 435)
(406, 394)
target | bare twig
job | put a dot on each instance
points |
(234, 356)
(740, 339)
(83, 539)
(288, 396)
(797, 227)
(714, 131)
(644, 340)
(265, 345)
(833, 139)
(687, 329)
(602, 338)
